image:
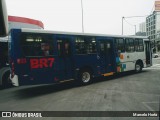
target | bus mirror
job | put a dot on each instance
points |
(3, 19)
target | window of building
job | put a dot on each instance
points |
(154, 37)
(154, 27)
(154, 17)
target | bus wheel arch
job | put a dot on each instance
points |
(138, 66)
(4, 77)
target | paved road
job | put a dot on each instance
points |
(127, 92)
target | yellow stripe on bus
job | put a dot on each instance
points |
(108, 74)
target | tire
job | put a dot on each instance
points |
(138, 67)
(85, 77)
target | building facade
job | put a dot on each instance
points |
(142, 27)
(153, 29)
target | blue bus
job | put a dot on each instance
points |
(46, 57)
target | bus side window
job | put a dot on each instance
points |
(120, 45)
(130, 45)
(90, 45)
(80, 46)
(67, 49)
(63, 48)
(60, 50)
(37, 45)
(102, 48)
(139, 45)
(136, 42)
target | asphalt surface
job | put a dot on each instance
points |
(125, 92)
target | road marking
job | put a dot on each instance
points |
(151, 68)
(154, 67)
(149, 108)
(156, 64)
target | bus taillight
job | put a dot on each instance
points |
(22, 61)
(12, 70)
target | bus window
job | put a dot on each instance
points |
(63, 48)
(60, 51)
(91, 45)
(85, 45)
(120, 45)
(104, 46)
(36, 45)
(45, 49)
(139, 45)
(130, 45)
(80, 45)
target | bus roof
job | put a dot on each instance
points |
(75, 33)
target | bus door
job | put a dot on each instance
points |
(148, 52)
(106, 55)
(65, 58)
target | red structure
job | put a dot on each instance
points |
(22, 22)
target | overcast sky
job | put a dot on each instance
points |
(100, 16)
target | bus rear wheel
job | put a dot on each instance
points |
(85, 77)
(138, 67)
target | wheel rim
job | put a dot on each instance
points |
(138, 67)
(86, 77)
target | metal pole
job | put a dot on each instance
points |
(135, 29)
(82, 16)
(122, 25)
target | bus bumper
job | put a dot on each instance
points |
(14, 80)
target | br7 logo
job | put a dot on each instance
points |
(41, 63)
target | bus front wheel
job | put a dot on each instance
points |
(85, 77)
